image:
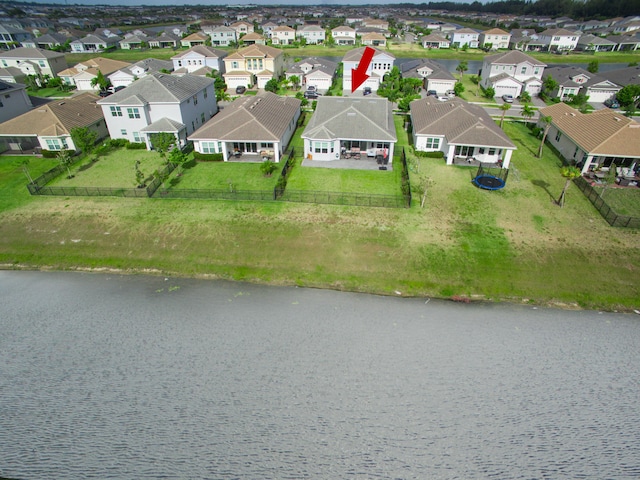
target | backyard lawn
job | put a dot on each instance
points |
(224, 176)
(624, 201)
(114, 170)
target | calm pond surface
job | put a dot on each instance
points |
(108, 376)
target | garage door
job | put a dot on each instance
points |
(506, 90)
(233, 82)
(440, 87)
(599, 95)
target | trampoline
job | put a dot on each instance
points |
(491, 178)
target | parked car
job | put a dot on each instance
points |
(443, 99)
(104, 93)
(611, 103)
(451, 93)
(311, 94)
(240, 89)
(432, 92)
(507, 98)
(366, 91)
(311, 88)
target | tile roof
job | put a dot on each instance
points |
(356, 54)
(512, 57)
(203, 50)
(55, 118)
(352, 118)
(252, 51)
(460, 122)
(24, 52)
(264, 117)
(603, 132)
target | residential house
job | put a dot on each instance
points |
(194, 40)
(12, 75)
(82, 74)
(222, 36)
(465, 36)
(134, 42)
(623, 76)
(34, 61)
(374, 39)
(496, 37)
(267, 28)
(592, 43)
(381, 63)
(313, 34)
(242, 28)
(434, 75)
(93, 43)
(283, 35)
(314, 72)
(344, 35)
(526, 40)
(376, 23)
(160, 103)
(250, 127)
(511, 73)
(12, 36)
(49, 126)
(434, 40)
(198, 57)
(460, 130)
(593, 140)
(127, 75)
(625, 42)
(253, 38)
(253, 65)
(559, 40)
(46, 41)
(14, 100)
(574, 80)
(165, 40)
(353, 126)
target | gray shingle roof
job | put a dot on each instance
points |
(352, 118)
(23, 52)
(513, 57)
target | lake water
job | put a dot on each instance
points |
(107, 376)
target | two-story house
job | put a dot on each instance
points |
(46, 41)
(197, 58)
(283, 35)
(344, 35)
(222, 36)
(381, 63)
(559, 40)
(434, 75)
(313, 34)
(465, 36)
(496, 37)
(127, 75)
(242, 28)
(160, 103)
(253, 65)
(512, 73)
(34, 61)
(11, 36)
(14, 100)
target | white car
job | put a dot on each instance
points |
(443, 99)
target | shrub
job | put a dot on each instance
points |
(136, 146)
(429, 154)
(117, 142)
(50, 153)
(208, 157)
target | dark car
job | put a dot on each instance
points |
(611, 103)
(104, 93)
(311, 94)
(432, 93)
(241, 89)
(366, 91)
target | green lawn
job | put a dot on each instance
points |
(224, 175)
(13, 179)
(115, 170)
(50, 92)
(625, 201)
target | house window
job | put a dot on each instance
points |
(133, 113)
(115, 111)
(179, 63)
(523, 70)
(266, 145)
(41, 63)
(575, 154)
(53, 144)
(536, 70)
(208, 147)
(136, 137)
(234, 65)
(321, 147)
(195, 99)
(123, 132)
(559, 134)
(556, 39)
(202, 118)
(205, 93)
(492, 151)
(432, 143)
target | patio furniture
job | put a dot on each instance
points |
(355, 152)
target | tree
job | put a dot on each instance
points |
(628, 95)
(462, 67)
(295, 81)
(504, 107)
(546, 121)
(162, 142)
(569, 173)
(100, 81)
(84, 139)
(549, 85)
(139, 175)
(178, 158)
(527, 112)
(268, 167)
(489, 93)
(593, 66)
(525, 97)
(458, 88)
(271, 86)
(404, 102)
(64, 157)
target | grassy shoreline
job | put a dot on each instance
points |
(513, 245)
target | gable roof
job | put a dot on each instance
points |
(24, 52)
(264, 117)
(55, 118)
(565, 75)
(495, 31)
(603, 132)
(203, 50)
(158, 88)
(352, 118)
(623, 76)
(512, 57)
(105, 65)
(356, 54)
(460, 122)
(256, 50)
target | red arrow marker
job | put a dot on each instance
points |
(359, 75)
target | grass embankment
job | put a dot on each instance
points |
(510, 244)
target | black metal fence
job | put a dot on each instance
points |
(405, 183)
(605, 210)
(343, 198)
(216, 194)
(281, 184)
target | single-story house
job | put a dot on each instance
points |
(258, 127)
(434, 40)
(83, 73)
(360, 126)
(48, 126)
(593, 140)
(14, 100)
(127, 75)
(575, 80)
(460, 130)
(434, 75)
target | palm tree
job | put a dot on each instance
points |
(569, 173)
(504, 107)
(546, 121)
(462, 67)
(527, 112)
